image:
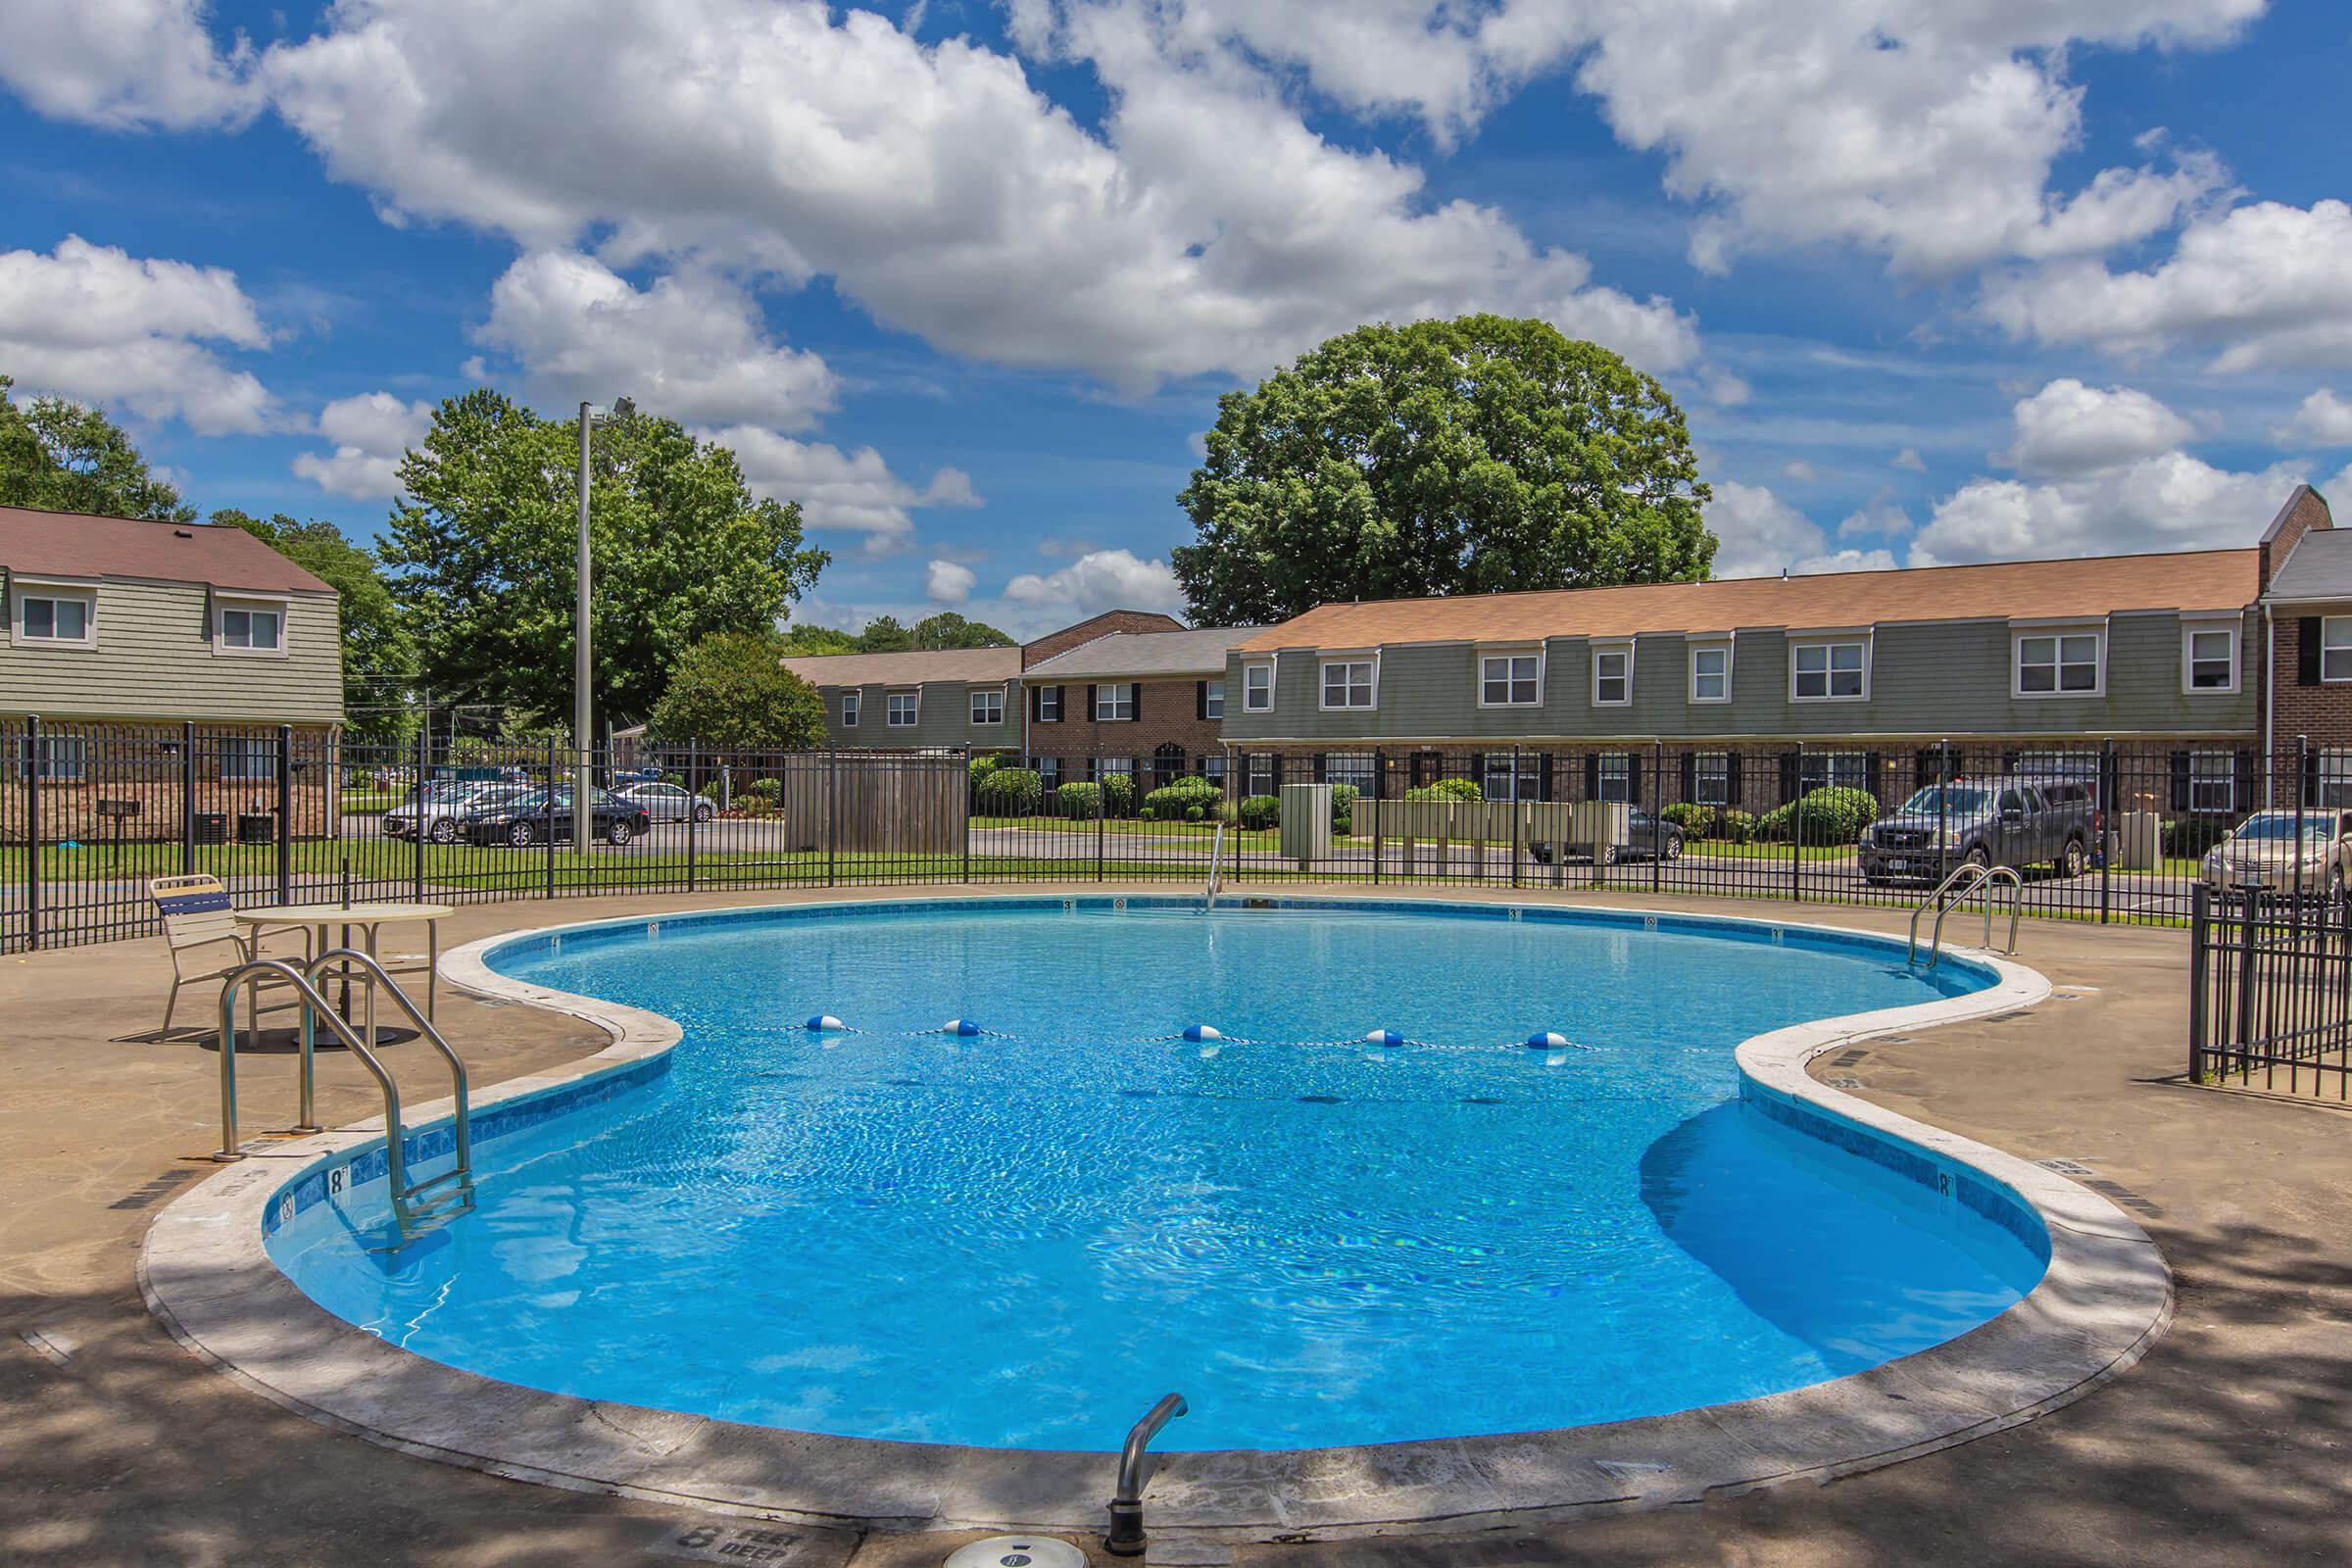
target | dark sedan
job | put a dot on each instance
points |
(1645, 838)
(527, 820)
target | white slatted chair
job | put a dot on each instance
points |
(196, 914)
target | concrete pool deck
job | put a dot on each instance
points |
(124, 1449)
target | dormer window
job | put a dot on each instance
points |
(1612, 675)
(249, 626)
(52, 614)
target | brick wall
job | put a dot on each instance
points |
(1103, 625)
(2304, 511)
(2322, 711)
(1166, 711)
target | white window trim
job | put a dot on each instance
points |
(2019, 635)
(1622, 770)
(281, 607)
(973, 697)
(853, 708)
(1510, 650)
(1061, 703)
(1832, 640)
(2235, 630)
(1323, 665)
(1699, 773)
(1710, 644)
(2326, 622)
(22, 588)
(1612, 645)
(1110, 694)
(1269, 667)
(1212, 696)
(889, 715)
(2228, 777)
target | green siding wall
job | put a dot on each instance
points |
(1944, 678)
(943, 718)
(155, 660)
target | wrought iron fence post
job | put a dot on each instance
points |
(1944, 800)
(1796, 832)
(33, 832)
(424, 768)
(285, 813)
(550, 858)
(2302, 762)
(2200, 935)
(2109, 836)
(694, 804)
(1518, 820)
(1101, 810)
(1657, 822)
(832, 812)
(2246, 966)
(966, 798)
(188, 797)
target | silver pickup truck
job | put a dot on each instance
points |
(1992, 821)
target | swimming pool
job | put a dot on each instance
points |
(1019, 1239)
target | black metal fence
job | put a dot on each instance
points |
(2103, 830)
(2270, 992)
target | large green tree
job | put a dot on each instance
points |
(732, 689)
(61, 456)
(948, 629)
(379, 657)
(1470, 456)
(481, 547)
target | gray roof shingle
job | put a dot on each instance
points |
(2319, 566)
(1143, 655)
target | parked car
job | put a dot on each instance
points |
(440, 806)
(532, 816)
(1647, 838)
(2015, 822)
(667, 803)
(2277, 850)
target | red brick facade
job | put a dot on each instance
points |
(1167, 716)
(2304, 511)
(1086, 631)
(2302, 703)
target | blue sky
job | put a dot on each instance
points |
(1935, 281)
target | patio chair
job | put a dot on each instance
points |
(196, 914)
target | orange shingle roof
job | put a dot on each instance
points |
(74, 544)
(2018, 590)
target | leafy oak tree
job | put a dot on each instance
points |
(61, 456)
(886, 634)
(379, 657)
(732, 689)
(481, 549)
(1469, 456)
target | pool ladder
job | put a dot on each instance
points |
(1967, 878)
(416, 1208)
(1217, 872)
(1126, 1538)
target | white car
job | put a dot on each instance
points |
(667, 803)
(441, 804)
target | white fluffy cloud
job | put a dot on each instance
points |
(2171, 502)
(370, 432)
(2322, 420)
(126, 64)
(2068, 429)
(946, 582)
(2265, 285)
(692, 347)
(1759, 535)
(1203, 229)
(1104, 579)
(852, 491)
(96, 324)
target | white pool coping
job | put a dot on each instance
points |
(2104, 1300)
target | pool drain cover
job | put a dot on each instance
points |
(1017, 1551)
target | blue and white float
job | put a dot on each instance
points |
(1548, 1040)
(1383, 1037)
(1199, 1032)
(959, 1026)
(824, 1023)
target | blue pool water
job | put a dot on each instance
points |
(1021, 1240)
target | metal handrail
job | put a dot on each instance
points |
(1126, 1538)
(378, 974)
(1216, 870)
(1967, 878)
(314, 1004)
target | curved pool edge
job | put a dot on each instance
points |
(2104, 1298)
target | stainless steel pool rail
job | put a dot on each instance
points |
(1126, 1538)
(1967, 878)
(411, 1206)
(1216, 871)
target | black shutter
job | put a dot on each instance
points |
(1689, 776)
(2244, 799)
(2307, 650)
(1790, 778)
(1089, 714)
(1319, 757)
(2311, 777)
(1061, 704)
(1633, 778)
(1732, 786)
(1543, 776)
(2180, 771)
(1034, 694)
(1870, 774)
(1592, 775)
(2008, 764)
(1200, 699)
(1923, 768)
(1274, 775)
(1135, 702)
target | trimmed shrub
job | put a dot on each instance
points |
(1447, 789)
(2189, 837)
(984, 763)
(1078, 799)
(1830, 815)
(1007, 790)
(767, 791)
(1227, 812)
(1170, 802)
(1259, 811)
(1696, 821)
(1195, 813)
(1118, 793)
(1736, 827)
(1342, 807)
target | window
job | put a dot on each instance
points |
(2058, 764)
(1257, 688)
(2335, 777)
(1349, 767)
(2058, 665)
(252, 629)
(1261, 772)
(1711, 673)
(2209, 659)
(1347, 683)
(848, 709)
(1507, 680)
(1502, 782)
(1114, 705)
(1048, 705)
(248, 759)
(1614, 777)
(1049, 772)
(1612, 676)
(1826, 671)
(899, 709)
(1212, 768)
(2212, 781)
(988, 706)
(1119, 764)
(1212, 699)
(2336, 648)
(1843, 770)
(1711, 778)
(53, 618)
(63, 758)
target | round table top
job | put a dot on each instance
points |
(341, 914)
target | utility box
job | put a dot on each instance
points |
(2137, 840)
(1305, 821)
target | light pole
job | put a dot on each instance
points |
(583, 815)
